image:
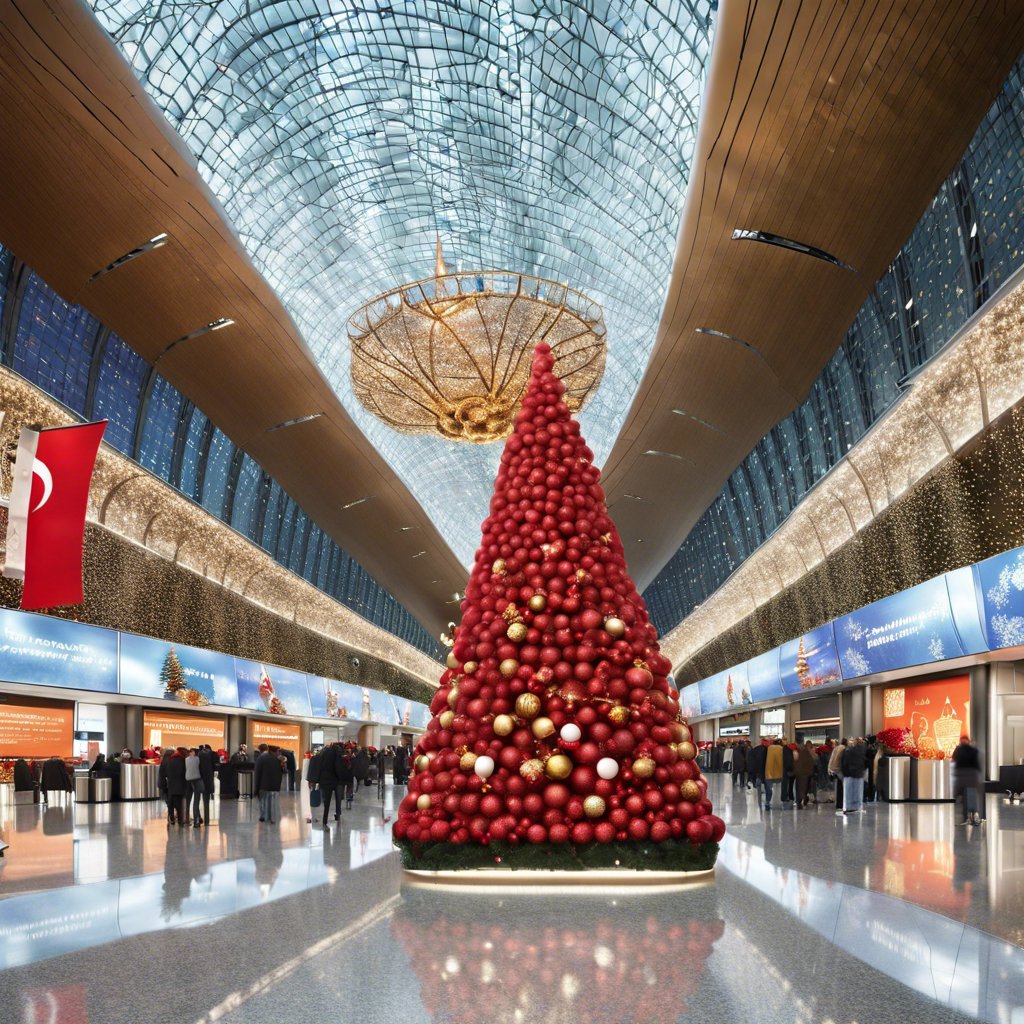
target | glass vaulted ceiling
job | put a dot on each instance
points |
(551, 137)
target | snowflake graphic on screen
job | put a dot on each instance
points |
(854, 630)
(857, 662)
(1008, 630)
(936, 649)
(1010, 578)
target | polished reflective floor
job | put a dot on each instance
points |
(893, 915)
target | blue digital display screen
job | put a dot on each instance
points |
(1001, 583)
(278, 691)
(689, 701)
(763, 680)
(47, 651)
(176, 672)
(725, 691)
(810, 662)
(914, 627)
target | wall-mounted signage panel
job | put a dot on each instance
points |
(169, 729)
(277, 691)
(36, 729)
(176, 672)
(810, 662)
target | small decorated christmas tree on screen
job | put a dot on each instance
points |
(171, 674)
(555, 738)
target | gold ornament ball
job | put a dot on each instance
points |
(453, 697)
(643, 767)
(503, 725)
(516, 632)
(686, 750)
(422, 763)
(527, 705)
(499, 568)
(509, 667)
(593, 806)
(614, 627)
(538, 603)
(467, 761)
(423, 802)
(689, 790)
(469, 668)
(619, 714)
(451, 661)
(532, 770)
(559, 766)
(542, 727)
(446, 718)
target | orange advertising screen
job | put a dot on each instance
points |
(287, 735)
(938, 710)
(36, 729)
(167, 729)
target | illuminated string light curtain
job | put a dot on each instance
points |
(452, 354)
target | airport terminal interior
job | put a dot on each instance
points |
(512, 511)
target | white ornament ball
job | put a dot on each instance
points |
(570, 732)
(607, 767)
(484, 766)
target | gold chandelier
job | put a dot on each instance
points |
(451, 354)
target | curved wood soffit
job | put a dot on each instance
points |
(830, 124)
(136, 506)
(92, 170)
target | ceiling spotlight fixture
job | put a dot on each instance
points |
(788, 243)
(295, 422)
(154, 243)
(637, 497)
(406, 529)
(437, 581)
(419, 553)
(358, 501)
(670, 455)
(697, 419)
(213, 325)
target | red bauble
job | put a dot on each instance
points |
(638, 829)
(660, 831)
(604, 832)
(699, 831)
(536, 834)
(556, 795)
(491, 806)
(582, 832)
(717, 827)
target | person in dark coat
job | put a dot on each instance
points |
(788, 777)
(854, 766)
(361, 765)
(804, 767)
(399, 768)
(291, 767)
(206, 773)
(55, 777)
(325, 775)
(23, 781)
(266, 783)
(966, 775)
(171, 780)
(346, 775)
(755, 763)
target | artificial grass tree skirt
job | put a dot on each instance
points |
(625, 856)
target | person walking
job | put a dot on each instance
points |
(206, 772)
(774, 771)
(854, 766)
(290, 767)
(804, 768)
(266, 783)
(755, 764)
(171, 780)
(398, 765)
(326, 776)
(788, 775)
(966, 773)
(361, 766)
(193, 786)
(835, 761)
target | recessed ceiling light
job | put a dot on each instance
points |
(637, 497)
(406, 529)
(437, 581)
(358, 501)
(295, 422)
(788, 243)
(418, 554)
(670, 455)
(697, 419)
(154, 243)
(213, 325)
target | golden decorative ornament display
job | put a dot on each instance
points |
(453, 696)
(643, 767)
(614, 627)
(423, 802)
(619, 715)
(593, 806)
(511, 614)
(509, 667)
(558, 766)
(422, 763)
(467, 761)
(503, 725)
(499, 568)
(527, 705)
(451, 661)
(450, 355)
(446, 718)
(532, 770)
(469, 668)
(538, 603)
(679, 732)
(689, 790)
(516, 632)
(542, 728)
(686, 750)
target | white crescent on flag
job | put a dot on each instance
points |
(42, 471)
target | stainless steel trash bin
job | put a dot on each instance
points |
(933, 780)
(82, 794)
(139, 781)
(100, 790)
(245, 784)
(899, 779)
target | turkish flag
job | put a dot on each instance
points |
(46, 518)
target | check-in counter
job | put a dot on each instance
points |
(139, 781)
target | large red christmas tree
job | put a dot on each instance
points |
(556, 739)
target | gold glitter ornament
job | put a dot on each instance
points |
(619, 715)
(499, 568)
(615, 627)
(451, 661)
(689, 790)
(446, 718)
(542, 728)
(643, 767)
(423, 802)
(503, 725)
(516, 632)
(686, 750)
(509, 667)
(469, 668)
(527, 705)
(538, 603)
(467, 761)
(593, 806)
(453, 696)
(558, 766)
(532, 770)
